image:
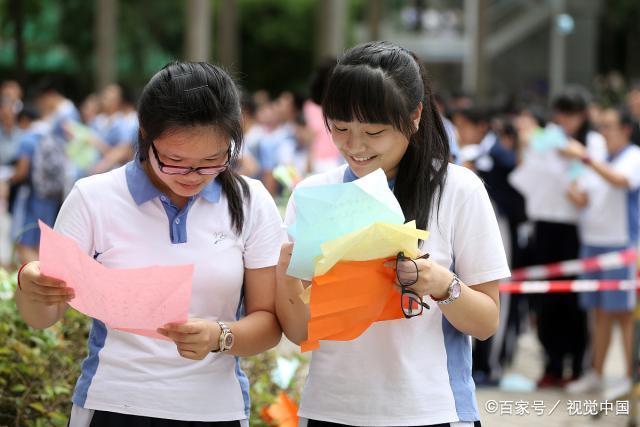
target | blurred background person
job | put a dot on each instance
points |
(493, 156)
(324, 154)
(252, 134)
(609, 197)
(116, 127)
(633, 105)
(561, 324)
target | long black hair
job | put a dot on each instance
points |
(379, 82)
(189, 94)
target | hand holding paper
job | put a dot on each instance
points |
(327, 212)
(343, 234)
(348, 299)
(136, 300)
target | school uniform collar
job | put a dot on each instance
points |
(349, 176)
(142, 189)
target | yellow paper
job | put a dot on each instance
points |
(379, 240)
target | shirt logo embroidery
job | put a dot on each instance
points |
(218, 237)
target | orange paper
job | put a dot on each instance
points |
(349, 298)
(283, 412)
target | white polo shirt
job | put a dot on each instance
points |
(411, 372)
(122, 220)
(543, 178)
(611, 216)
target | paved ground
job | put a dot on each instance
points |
(547, 407)
(498, 407)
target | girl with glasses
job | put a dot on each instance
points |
(414, 371)
(178, 202)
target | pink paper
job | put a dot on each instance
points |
(137, 300)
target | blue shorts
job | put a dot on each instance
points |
(610, 301)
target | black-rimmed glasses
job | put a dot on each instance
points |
(185, 170)
(407, 275)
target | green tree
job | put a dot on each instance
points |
(277, 39)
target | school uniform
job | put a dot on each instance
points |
(411, 372)
(561, 324)
(609, 223)
(29, 206)
(123, 221)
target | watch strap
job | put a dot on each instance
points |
(450, 297)
(224, 332)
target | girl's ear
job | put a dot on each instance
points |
(416, 115)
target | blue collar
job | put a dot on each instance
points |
(612, 157)
(349, 176)
(142, 189)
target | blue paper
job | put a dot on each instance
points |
(551, 138)
(576, 169)
(326, 212)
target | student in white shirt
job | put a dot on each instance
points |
(609, 197)
(178, 202)
(414, 371)
(561, 324)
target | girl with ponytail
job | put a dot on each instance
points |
(415, 371)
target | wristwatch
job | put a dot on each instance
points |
(454, 292)
(225, 342)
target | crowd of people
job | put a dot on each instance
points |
(573, 197)
(564, 183)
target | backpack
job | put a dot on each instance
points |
(49, 167)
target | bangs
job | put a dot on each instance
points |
(191, 95)
(364, 94)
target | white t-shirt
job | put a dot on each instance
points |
(122, 220)
(412, 371)
(611, 216)
(543, 179)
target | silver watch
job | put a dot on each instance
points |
(225, 342)
(454, 291)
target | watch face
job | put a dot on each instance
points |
(455, 289)
(228, 341)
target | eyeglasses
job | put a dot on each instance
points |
(411, 303)
(185, 170)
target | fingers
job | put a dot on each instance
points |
(184, 328)
(32, 274)
(182, 333)
(192, 348)
(179, 337)
(189, 354)
(42, 289)
(49, 299)
(49, 282)
(392, 263)
(61, 293)
(192, 339)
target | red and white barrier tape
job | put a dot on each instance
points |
(575, 267)
(544, 287)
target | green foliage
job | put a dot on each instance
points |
(150, 34)
(277, 39)
(263, 390)
(39, 368)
